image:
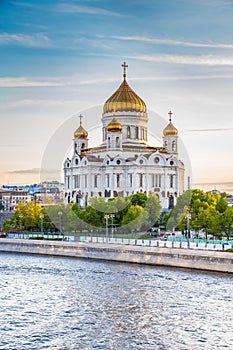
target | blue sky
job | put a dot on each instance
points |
(59, 58)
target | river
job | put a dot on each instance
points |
(72, 304)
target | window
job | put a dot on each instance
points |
(118, 180)
(76, 181)
(136, 132)
(128, 132)
(85, 180)
(156, 160)
(95, 180)
(108, 142)
(171, 180)
(131, 180)
(68, 181)
(117, 142)
(152, 180)
(140, 180)
(107, 180)
(118, 162)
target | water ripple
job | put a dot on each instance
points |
(59, 304)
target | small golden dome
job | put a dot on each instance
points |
(170, 130)
(80, 133)
(124, 99)
(114, 126)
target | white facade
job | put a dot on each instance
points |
(11, 199)
(124, 163)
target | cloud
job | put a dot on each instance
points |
(25, 171)
(206, 130)
(36, 40)
(11, 82)
(203, 60)
(215, 183)
(217, 3)
(173, 42)
(27, 82)
(72, 8)
(24, 103)
(24, 4)
(184, 77)
(34, 171)
(48, 81)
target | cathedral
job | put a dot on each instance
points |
(124, 163)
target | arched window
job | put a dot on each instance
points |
(128, 132)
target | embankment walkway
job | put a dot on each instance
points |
(175, 257)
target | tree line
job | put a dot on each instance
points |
(126, 214)
(195, 210)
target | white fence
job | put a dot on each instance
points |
(157, 243)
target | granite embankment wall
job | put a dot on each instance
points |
(185, 258)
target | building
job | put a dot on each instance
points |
(10, 199)
(124, 163)
(43, 193)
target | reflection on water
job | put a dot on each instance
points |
(59, 303)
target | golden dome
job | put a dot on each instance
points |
(170, 130)
(114, 126)
(124, 99)
(80, 133)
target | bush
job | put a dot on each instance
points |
(230, 250)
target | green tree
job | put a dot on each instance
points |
(135, 218)
(153, 208)
(139, 199)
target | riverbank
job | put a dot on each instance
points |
(174, 257)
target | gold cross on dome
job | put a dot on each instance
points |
(81, 117)
(124, 65)
(170, 116)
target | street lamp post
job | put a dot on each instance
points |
(106, 218)
(60, 221)
(112, 216)
(188, 217)
(41, 224)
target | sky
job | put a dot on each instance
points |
(62, 58)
